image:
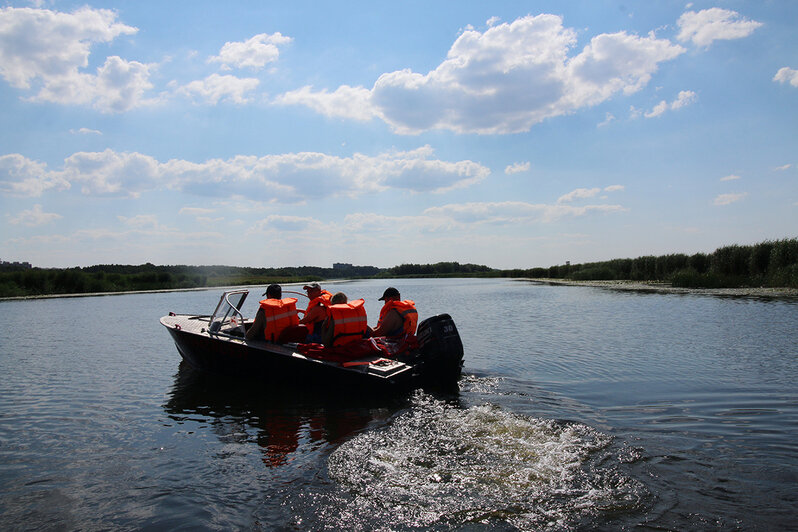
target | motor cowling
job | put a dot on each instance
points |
(441, 348)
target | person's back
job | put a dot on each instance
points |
(274, 316)
(347, 321)
(316, 311)
(397, 316)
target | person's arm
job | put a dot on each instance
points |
(391, 322)
(316, 314)
(256, 329)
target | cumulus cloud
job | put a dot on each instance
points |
(345, 102)
(34, 217)
(216, 88)
(787, 75)
(728, 199)
(710, 25)
(47, 51)
(290, 177)
(254, 53)
(614, 188)
(683, 99)
(20, 176)
(730, 177)
(783, 167)
(110, 173)
(505, 80)
(516, 168)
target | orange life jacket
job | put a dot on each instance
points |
(406, 309)
(323, 301)
(279, 314)
(349, 322)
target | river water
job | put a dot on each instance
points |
(579, 408)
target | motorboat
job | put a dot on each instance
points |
(217, 343)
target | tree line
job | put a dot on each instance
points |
(769, 263)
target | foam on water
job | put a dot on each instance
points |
(443, 465)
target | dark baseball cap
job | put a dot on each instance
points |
(389, 292)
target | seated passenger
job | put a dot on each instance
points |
(274, 316)
(316, 312)
(347, 322)
(397, 317)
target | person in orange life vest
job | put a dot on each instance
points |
(316, 312)
(347, 321)
(274, 315)
(397, 317)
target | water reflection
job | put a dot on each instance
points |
(281, 419)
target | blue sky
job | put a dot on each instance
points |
(511, 134)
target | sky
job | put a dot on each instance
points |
(514, 134)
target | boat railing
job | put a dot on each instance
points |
(228, 311)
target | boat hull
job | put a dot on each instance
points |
(277, 363)
(219, 346)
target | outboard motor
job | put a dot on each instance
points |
(441, 349)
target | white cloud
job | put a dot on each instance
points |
(140, 221)
(683, 99)
(658, 109)
(728, 199)
(709, 25)
(46, 51)
(514, 212)
(730, 177)
(254, 53)
(85, 131)
(614, 188)
(505, 80)
(216, 88)
(608, 118)
(34, 217)
(19, 176)
(293, 224)
(517, 168)
(579, 193)
(345, 102)
(783, 167)
(112, 173)
(787, 75)
(290, 177)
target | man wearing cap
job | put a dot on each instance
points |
(316, 312)
(275, 315)
(397, 317)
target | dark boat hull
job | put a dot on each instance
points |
(206, 346)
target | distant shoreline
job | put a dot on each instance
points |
(666, 288)
(159, 291)
(628, 286)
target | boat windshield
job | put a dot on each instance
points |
(228, 310)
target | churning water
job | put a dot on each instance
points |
(579, 408)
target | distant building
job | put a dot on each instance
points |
(15, 265)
